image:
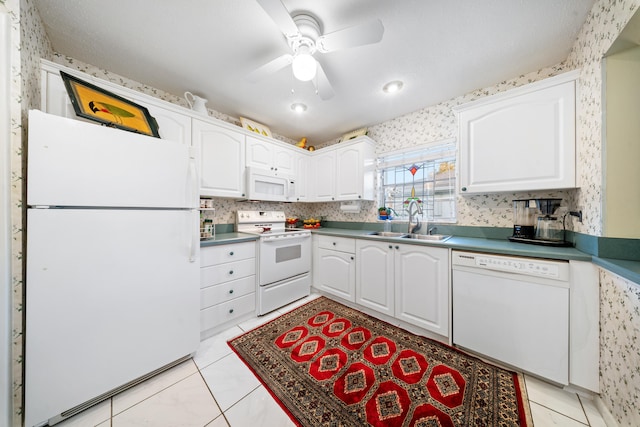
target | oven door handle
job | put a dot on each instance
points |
(284, 238)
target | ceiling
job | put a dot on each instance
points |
(440, 49)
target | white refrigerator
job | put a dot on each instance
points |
(112, 279)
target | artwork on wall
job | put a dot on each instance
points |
(94, 103)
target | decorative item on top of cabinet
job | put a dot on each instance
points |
(100, 105)
(256, 127)
(519, 140)
(227, 285)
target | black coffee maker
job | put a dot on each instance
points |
(535, 222)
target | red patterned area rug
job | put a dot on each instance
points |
(330, 365)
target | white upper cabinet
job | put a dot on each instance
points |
(355, 170)
(303, 164)
(520, 140)
(272, 156)
(323, 181)
(172, 125)
(344, 171)
(220, 154)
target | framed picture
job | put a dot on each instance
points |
(94, 103)
(255, 127)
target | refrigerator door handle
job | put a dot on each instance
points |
(195, 236)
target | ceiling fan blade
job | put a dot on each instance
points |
(270, 67)
(358, 35)
(322, 84)
(280, 15)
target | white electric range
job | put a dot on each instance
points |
(284, 258)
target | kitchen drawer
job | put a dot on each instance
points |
(227, 311)
(341, 244)
(227, 291)
(212, 255)
(216, 274)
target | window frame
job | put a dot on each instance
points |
(436, 186)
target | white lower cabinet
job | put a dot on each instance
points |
(422, 287)
(334, 269)
(227, 284)
(374, 275)
(408, 282)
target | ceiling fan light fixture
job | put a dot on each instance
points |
(304, 66)
(393, 87)
(299, 107)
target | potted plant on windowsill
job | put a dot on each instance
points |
(383, 213)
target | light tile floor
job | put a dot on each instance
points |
(216, 389)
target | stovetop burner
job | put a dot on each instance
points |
(265, 223)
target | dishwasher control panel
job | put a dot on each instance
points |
(552, 269)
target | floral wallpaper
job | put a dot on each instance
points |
(620, 300)
(620, 348)
(12, 7)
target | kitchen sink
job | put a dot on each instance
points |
(387, 234)
(431, 237)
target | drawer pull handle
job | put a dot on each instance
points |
(390, 247)
(231, 253)
(397, 247)
(464, 189)
(231, 311)
(352, 258)
(230, 291)
(230, 271)
(334, 243)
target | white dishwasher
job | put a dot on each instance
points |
(514, 310)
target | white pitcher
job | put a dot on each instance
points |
(196, 103)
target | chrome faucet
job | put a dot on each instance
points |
(413, 209)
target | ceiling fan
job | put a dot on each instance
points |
(305, 38)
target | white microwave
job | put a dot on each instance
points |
(265, 184)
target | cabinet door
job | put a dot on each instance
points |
(335, 273)
(221, 159)
(272, 156)
(324, 177)
(284, 160)
(259, 153)
(302, 176)
(349, 173)
(171, 125)
(54, 98)
(421, 287)
(519, 143)
(374, 275)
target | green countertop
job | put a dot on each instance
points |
(627, 269)
(496, 246)
(226, 238)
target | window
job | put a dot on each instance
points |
(425, 173)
